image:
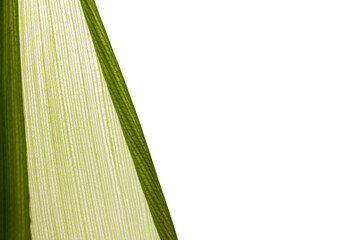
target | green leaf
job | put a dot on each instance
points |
(72, 148)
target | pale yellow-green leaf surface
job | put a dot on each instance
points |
(83, 183)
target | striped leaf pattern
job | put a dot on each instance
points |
(72, 148)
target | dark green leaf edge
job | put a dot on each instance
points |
(129, 121)
(14, 189)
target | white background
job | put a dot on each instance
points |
(251, 110)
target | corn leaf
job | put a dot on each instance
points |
(72, 148)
